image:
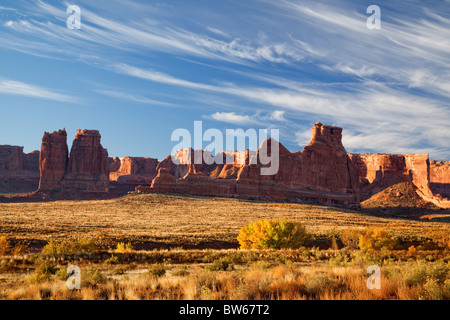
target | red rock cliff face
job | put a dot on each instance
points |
(440, 178)
(53, 159)
(379, 171)
(88, 167)
(86, 170)
(178, 164)
(321, 173)
(114, 164)
(19, 172)
(326, 164)
(135, 170)
(11, 158)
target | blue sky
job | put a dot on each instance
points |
(137, 70)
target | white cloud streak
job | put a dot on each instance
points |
(28, 90)
(132, 97)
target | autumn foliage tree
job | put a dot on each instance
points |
(377, 239)
(272, 234)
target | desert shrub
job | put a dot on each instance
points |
(415, 274)
(157, 270)
(119, 271)
(350, 238)
(223, 264)
(377, 239)
(5, 245)
(338, 261)
(432, 290)
(62, 274)
(20, 249)
(318, 282)
(261, 265)
(272, 234)
(364, 258)
(43, 272)
(184, 271)
(112, 260)
(122, 247)
(446, 289)
(419, 272)
(92, 278)
(442, 238)
(70, 247)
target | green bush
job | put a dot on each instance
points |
(43, 272)
(184, 271)
(62, 274)
(418, 272)
(432, 289)
(112, 260)
(157, 270)
(92, 278)
(223, 264)
(273, 234)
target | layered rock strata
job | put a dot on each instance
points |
(19, 171)
(322, 172)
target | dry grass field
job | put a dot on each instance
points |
(175, 219)
(179, 251)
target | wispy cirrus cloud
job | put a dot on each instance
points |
(139, 34)
(258, 119)
(369, 110)
(132, 97)
(28, 90)
(290, 63)
(232, 117)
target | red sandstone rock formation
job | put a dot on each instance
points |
(11, 158)
(440, 178)
(85, 171)
(135, 170)
(114, 164)
(19, 172)
(88, 168)
(379, 171)
(321, 173)
(178, 164)
(53, 159)
(164, 181)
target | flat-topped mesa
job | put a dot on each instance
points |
(11, 158)
(19, 171)
(440, 178)
(53, 159)
(88, 168)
